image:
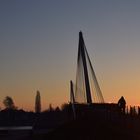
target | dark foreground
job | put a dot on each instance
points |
(95, 129)
(89, 125)
(88, 129)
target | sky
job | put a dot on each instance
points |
(39, 43)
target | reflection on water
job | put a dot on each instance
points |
(16, 128)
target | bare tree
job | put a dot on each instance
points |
(8, 103)
(37, 102)
(50, 108)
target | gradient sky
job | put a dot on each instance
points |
(39, 43)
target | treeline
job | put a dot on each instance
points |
(11, 115)
(9, 103)
(47, 118)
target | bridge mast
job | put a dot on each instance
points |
(81, 51)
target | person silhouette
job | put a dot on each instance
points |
(122, 104)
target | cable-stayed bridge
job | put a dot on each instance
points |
(86, 90)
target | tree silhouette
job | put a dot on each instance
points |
(37, 102)
(122, 104)
(8, 103)
(50, 108)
